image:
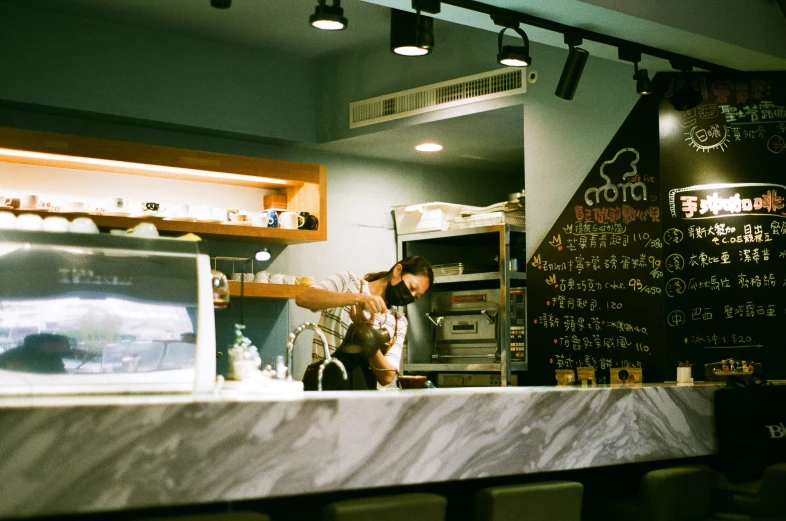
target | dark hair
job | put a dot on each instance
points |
(413, 265)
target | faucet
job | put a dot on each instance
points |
(327, 361)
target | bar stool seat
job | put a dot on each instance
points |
(678, 493)
(545, 501)
(215, 516)
(419, 506)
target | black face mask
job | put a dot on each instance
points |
(398, 295)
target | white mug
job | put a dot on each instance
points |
(288, 220)
(28, 201)
(277, 278)
(181, 210)
(118, 203)
(262, 276)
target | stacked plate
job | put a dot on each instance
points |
(460, 268)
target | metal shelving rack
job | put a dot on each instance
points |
(504, 275)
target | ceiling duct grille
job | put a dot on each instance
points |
(437, 96)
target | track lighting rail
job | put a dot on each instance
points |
(498, 13)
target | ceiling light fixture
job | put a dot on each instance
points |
(329, 17)
(643, 86)
(428, 147)
(511, 55)
(411, 34)
(685, 93)
(574, 66)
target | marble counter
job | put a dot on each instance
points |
(80, 455)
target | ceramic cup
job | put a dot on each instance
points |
(246, 277)
(118, 204)
(288, 220)
(28, 201)
(152, 207)
(75, 206)
(277, 278)
(259, 220)
(83, 225)
(307, 221)
(148, 230)
(7, 221)
(272, 218)
(56, 223)
(262, 276)
(181, 210)
(29, 221)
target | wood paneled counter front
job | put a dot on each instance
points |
(88, 454)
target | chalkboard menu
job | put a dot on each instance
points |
(595, 284)
(723, 175)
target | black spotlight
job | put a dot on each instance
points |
(328, 17)
(685, 94)
(221, 4)
(513, 55)
(633, 54)
(574, 66)
(411, 34)
(643, 86)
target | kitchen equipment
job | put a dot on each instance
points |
(465, 326)
(99, 313)
(466, 329)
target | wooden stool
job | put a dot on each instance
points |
(401, 507)
(546, 501)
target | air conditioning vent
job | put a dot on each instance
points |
(461, 91)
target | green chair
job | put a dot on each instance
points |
(545, 501)
(773, 490)
(764, 497)
(676, 493)
(679, 493)
(401, 507)
(216, 516)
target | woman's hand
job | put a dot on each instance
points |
(358, 316)
(373, 304)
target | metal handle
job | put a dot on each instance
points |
(438, 322)
(491, 317)
(437, 357)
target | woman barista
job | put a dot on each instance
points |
(345, 298)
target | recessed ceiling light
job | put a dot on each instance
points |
(428, 147)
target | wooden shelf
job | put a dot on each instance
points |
(304, 184)
(205, 230)
(261, 290)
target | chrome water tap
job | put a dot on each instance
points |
(327, 358)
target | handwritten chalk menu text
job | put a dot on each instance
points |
(723, 173)
(595, 284)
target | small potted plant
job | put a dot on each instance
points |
(243, 355)
(684, 370)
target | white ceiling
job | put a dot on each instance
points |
(484, 140)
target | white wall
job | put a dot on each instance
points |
(563, 139)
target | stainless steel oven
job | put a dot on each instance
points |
(465, 326)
